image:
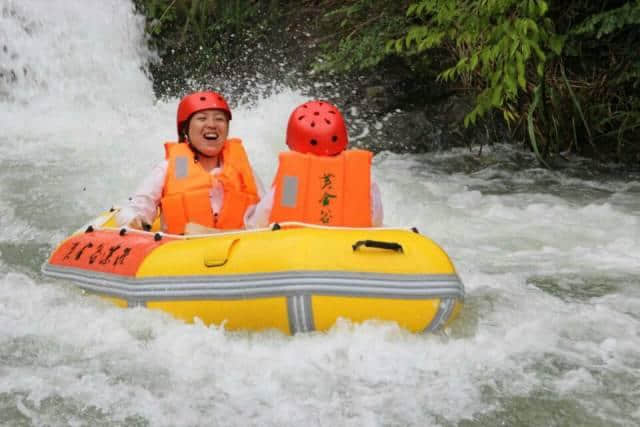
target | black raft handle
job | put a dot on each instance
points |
(392, 246)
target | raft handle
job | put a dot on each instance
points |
(276, 227)
(392, 246)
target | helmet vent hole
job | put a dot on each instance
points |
(313, 142)
(316, 113)
(313, 124)
(331, 112)
(301, 117)
(334, 138)
(203, 98)
(327, 121)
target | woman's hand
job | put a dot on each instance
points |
(127, 217)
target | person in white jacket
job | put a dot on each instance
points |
(206, 179)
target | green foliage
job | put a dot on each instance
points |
(196, 19)
(513, 54)
(496, 45)
(610, 21)
(358, 40)
(559, 73)
(603, 76)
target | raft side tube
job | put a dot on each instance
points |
(295, 279)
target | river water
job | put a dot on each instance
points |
(549, 335)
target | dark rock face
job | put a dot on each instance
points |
(432, 122)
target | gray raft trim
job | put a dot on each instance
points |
(243, 286)
(442, 315)
(300, 314)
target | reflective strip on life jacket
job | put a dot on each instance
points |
(324, 190)
(186, 192)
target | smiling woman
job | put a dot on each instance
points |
(206, 178)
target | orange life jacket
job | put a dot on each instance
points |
(324, 190)
(185, 195)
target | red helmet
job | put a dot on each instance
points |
(199, 101)
(317, 127)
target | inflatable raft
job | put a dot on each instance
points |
(292, 277)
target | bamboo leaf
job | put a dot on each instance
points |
(530, 127)
(474, 61)
(510, 83)
(520, 71)
(399, 45)
(388, 47)
(556, 43)
(496, 96)
(578, 107)
(542, 7)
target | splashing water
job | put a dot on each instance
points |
(549, 335)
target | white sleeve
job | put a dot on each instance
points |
(143, 205)
(257, 216)
(377, 213)
(259, 185)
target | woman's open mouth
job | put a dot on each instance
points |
(211, 136)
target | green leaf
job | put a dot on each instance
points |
(576, 103)
(462, 62)
(531, 128)
(474, 61)
(495, 77)
(556, 43)
(539, 51)
(514, 46)
(510, 83)
(388, 47)
(399, 44)
(496, 96)
(520, 70)
(471, 117)
(543, 7)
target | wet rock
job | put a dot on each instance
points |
(374, 92)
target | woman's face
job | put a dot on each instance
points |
(208, 130)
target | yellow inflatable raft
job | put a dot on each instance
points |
(291, 277)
